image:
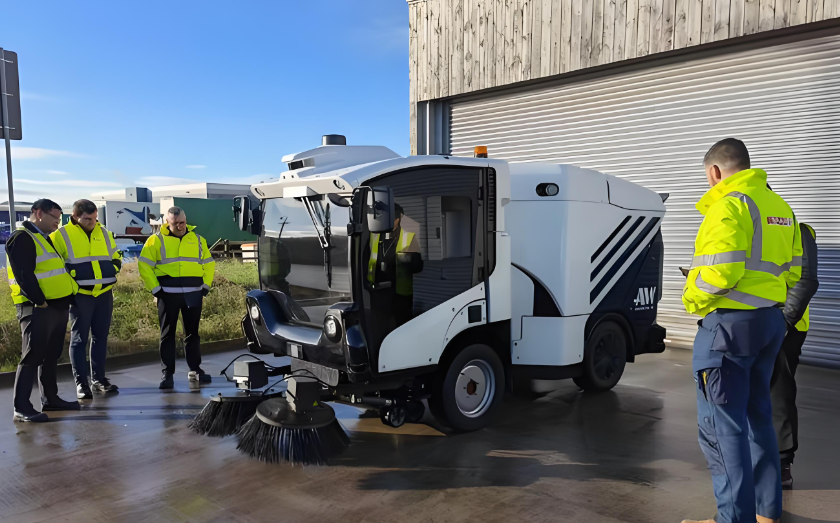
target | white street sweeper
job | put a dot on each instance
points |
(391, 280)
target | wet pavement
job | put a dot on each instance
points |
(629, 455)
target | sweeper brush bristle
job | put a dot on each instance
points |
(277, 434)
(223, 416)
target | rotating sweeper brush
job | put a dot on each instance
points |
(225, 414)
(299, 430)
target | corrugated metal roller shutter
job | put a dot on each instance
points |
(653, 127)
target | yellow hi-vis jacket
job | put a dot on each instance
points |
(748, 250)
(405, 280)
(176, 265)
(52, 277)
(88, 259)
(805, 322)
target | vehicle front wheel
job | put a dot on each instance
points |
(468, 392)
(604, 358)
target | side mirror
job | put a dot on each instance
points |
(242, 212)
(380, 217)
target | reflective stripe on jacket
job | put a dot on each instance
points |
(176, 265)
(88, 259)
(748, 251)
(53, 279)
(405, 280)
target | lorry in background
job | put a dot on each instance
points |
(212, 221)
(128, 218)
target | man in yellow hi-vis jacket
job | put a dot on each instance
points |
(747, 254)
(177, 268)
(93, 260)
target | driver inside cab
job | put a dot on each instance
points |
(394, 259)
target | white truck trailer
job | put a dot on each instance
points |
(395, 280)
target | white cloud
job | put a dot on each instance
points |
(256, 178)
(26, 95)
(69, 183)
(195, 166)
(163, 180)
(35, 153)
(52, 171)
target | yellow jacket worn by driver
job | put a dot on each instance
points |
(176, 265)
(748, 250)
(89, 258)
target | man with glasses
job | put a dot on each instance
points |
(42, 291)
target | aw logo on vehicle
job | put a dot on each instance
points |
(645, 299)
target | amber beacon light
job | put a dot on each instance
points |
(480, 151)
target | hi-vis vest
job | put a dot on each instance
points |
(405, 281)
(176, 265)
(89, 260)
(805, 322)
(748, 250)
(52, 277)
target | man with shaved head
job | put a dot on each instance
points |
(177, 268)
(748, 252)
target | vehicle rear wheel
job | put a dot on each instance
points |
(604, 358)
(468, 392)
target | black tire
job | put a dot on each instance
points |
(488, 387)
(604, 358)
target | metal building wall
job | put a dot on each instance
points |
(653, 127)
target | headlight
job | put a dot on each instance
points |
(332, 329)
(255, 312)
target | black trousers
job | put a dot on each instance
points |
(42, 336)
(189, 307)
(783, 395)
(90, 318)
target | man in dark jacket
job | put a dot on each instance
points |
(42, 291)
(783, 382)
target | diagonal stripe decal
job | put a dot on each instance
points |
(622, 259)
(616, 247)
(609, 239)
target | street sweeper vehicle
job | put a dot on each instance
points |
(392, 280)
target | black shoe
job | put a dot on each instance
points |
(59, 404)
(32, 416)
(102, 386)
(203, 377)
(83, 391)
(166, 382)
(787, 479)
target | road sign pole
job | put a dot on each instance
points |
(7, 131)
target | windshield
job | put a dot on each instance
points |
(303, 253)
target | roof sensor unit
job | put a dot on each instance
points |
(333, 139)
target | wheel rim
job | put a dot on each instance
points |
(607, 356)
(475, 388)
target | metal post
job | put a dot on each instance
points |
(6, 133)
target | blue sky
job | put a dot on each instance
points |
(116, 94)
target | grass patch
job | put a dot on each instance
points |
(134, 327)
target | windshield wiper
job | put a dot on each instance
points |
(324, 236)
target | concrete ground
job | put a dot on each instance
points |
(629, 455)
